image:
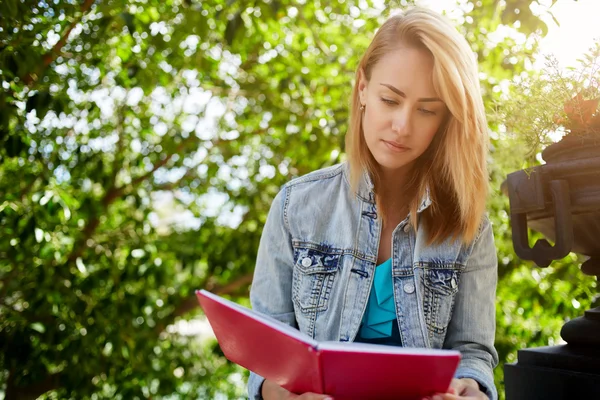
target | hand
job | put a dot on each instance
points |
(272, 391)
(462, 389)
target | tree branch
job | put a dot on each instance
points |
(162, 163)
(316, 37)
(190, 303)
(119, 147)
(7, 279)
(55, 51)
(231, 286)
(88, 231)
(25, 191)
(173, 185)
(114, 193)
(31, 392)
(224, 91)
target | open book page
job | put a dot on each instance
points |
(263, 345)
(383, 349)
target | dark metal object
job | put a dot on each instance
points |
(572, 147)
(554, 373)
(520, 189)
(560, 199)
(591, 267)
(583, 330)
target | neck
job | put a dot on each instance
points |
(394, 185)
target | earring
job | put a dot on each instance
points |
(362, 107)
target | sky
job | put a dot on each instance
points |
(579, 26)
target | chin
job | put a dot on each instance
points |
(390, 160)
(391, 163)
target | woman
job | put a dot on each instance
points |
(405, 215)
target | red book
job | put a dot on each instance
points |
(346, 371)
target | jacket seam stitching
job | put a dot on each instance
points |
(334, 251)
(315, 177)
(477, 239)
(286, 203)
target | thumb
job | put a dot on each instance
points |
(457, 386)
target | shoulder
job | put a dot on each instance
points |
(324, 175)
(455, 249)
(312, 188)
(317, 196)
(316, 185)
(485, 229)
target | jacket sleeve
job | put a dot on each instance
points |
(473, 325)
(271, 290)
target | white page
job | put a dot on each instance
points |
(383, 349)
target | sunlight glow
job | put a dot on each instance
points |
(577, 31)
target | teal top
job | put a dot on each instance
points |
(379, 324)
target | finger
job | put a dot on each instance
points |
(445, 396)
(465, 387)
(470, 383)
(457, 386)
(471, 391)
(314, 396)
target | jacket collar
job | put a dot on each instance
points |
(366, 193)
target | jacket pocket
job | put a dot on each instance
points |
(314, 273)
(440, 284)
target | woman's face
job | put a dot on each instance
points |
(402, 113)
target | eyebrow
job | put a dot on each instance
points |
(402, 94)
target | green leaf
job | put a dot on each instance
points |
(37, 326)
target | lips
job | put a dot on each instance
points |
(394, 146)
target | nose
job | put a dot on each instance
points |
(401, 121)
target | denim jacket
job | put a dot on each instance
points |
(316, 262)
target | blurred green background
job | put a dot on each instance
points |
(141, 143)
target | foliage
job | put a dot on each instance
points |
(555, 102)
(142, 143)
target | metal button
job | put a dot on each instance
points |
(306, 262)
(406, 228)
(409, 288)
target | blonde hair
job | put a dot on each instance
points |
(453, 169)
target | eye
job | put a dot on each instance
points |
(388, 101)
(427, 112)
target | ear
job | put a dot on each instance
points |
(362, 86)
